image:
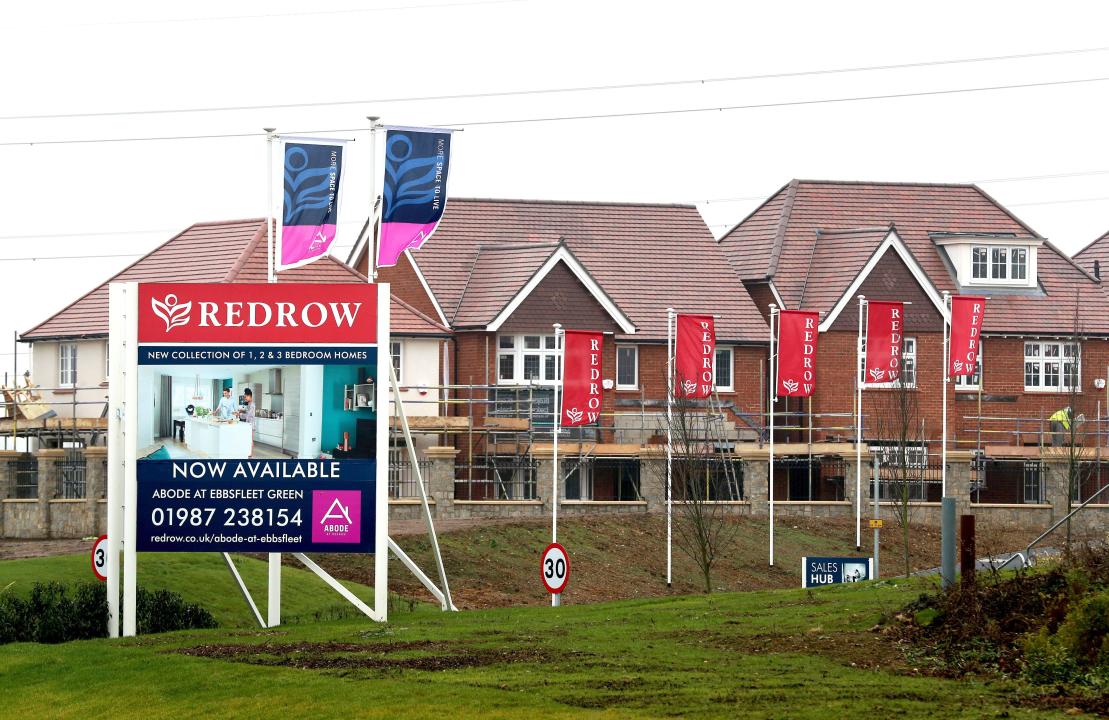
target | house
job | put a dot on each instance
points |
(1094, 256)
(501, 273)
(817, 245)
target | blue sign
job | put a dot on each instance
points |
(217, 505)
(256, 354)
(816, 571)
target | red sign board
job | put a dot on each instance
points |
(257, 313)
(966, 333)
(694, 355)
(581, 378)
(797, 336)
(885, 325)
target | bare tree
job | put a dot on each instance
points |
(1070, 370)
(702, 476)
(900, 432)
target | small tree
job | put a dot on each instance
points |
(901, 432)
(701, 477)
(1077, 453)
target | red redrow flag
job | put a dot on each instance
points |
(796, 366)
(581, 377)
(966, 333)
(884, 328)
(694, 355)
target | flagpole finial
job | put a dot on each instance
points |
(270, 131)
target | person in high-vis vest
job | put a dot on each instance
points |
(1060, 425)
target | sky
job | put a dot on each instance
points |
(804, 89)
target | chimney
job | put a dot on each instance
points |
(1097, 269)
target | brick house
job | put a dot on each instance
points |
(500, 273)
(817, 245)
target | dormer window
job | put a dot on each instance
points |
(999, 263)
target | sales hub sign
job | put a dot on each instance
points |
(817, 571)
(258, 424)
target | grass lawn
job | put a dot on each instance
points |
(770, 654)
(203, 578)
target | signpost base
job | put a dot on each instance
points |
(556, 600)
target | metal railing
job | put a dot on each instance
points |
(402, 478)
(506, 477)
(72, 475)
(1008, 482)
(807, 478)
(23, 477)
(606, 479)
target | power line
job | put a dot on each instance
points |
(1059, 202)
(552, 91)
(41, 258)
(599, 116)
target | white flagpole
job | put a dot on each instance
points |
(555, 597)
(773, 396)
(860, 376)
(946, 378)
(371, 231)
(273, 579)
(270, 137)
(670, 321)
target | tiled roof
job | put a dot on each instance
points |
(1097, 250)
(645, 257)
(793, 238)
(232, 252)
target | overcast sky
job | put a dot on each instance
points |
(123, 198)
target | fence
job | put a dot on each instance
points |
(402, 478)
(23, 477)
(71, 470)
(602, 479)
(810, 478)
(505, 477)
(909, 481)
(1008, 482)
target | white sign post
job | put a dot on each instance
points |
(554, 571)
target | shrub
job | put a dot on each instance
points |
(54, 613)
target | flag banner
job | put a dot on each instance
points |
(581, 377)
(884, 328)
(310, 209)
(694, 354)
(796, 366)
(415, 192)
(966, 333)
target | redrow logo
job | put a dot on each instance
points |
(251, 314)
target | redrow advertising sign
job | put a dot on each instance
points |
(966, 333)
(885, 325)
(581, 373)
(694, 355)
(257, 313)
(797, 340)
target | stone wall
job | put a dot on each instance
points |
(48, 514)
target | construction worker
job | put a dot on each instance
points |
(1060, 424)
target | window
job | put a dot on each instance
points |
(67, 364)
(978, 267)
(627, 367)
(1053, 366)
(527, 359)
(723, 369)
(395, 356)
(998, 263)
(971, 382)
(908, 366)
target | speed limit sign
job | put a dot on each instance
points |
(100, 558)
(554, 568)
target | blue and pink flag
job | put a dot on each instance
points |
(310, 210)
(415, 192)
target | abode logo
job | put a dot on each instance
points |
(336, 516)
(243, 313)
(172, 312)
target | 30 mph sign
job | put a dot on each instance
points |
(554, 568)
(100, 558)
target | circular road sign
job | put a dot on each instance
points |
(100, 558)
(554, 568)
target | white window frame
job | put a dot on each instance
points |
(968, 382)
(635, 367)
(908, 354)
(1010, 252)
(1041, 358)
(730, 387)
(397, 358)
(547, 348)
(67, 367)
